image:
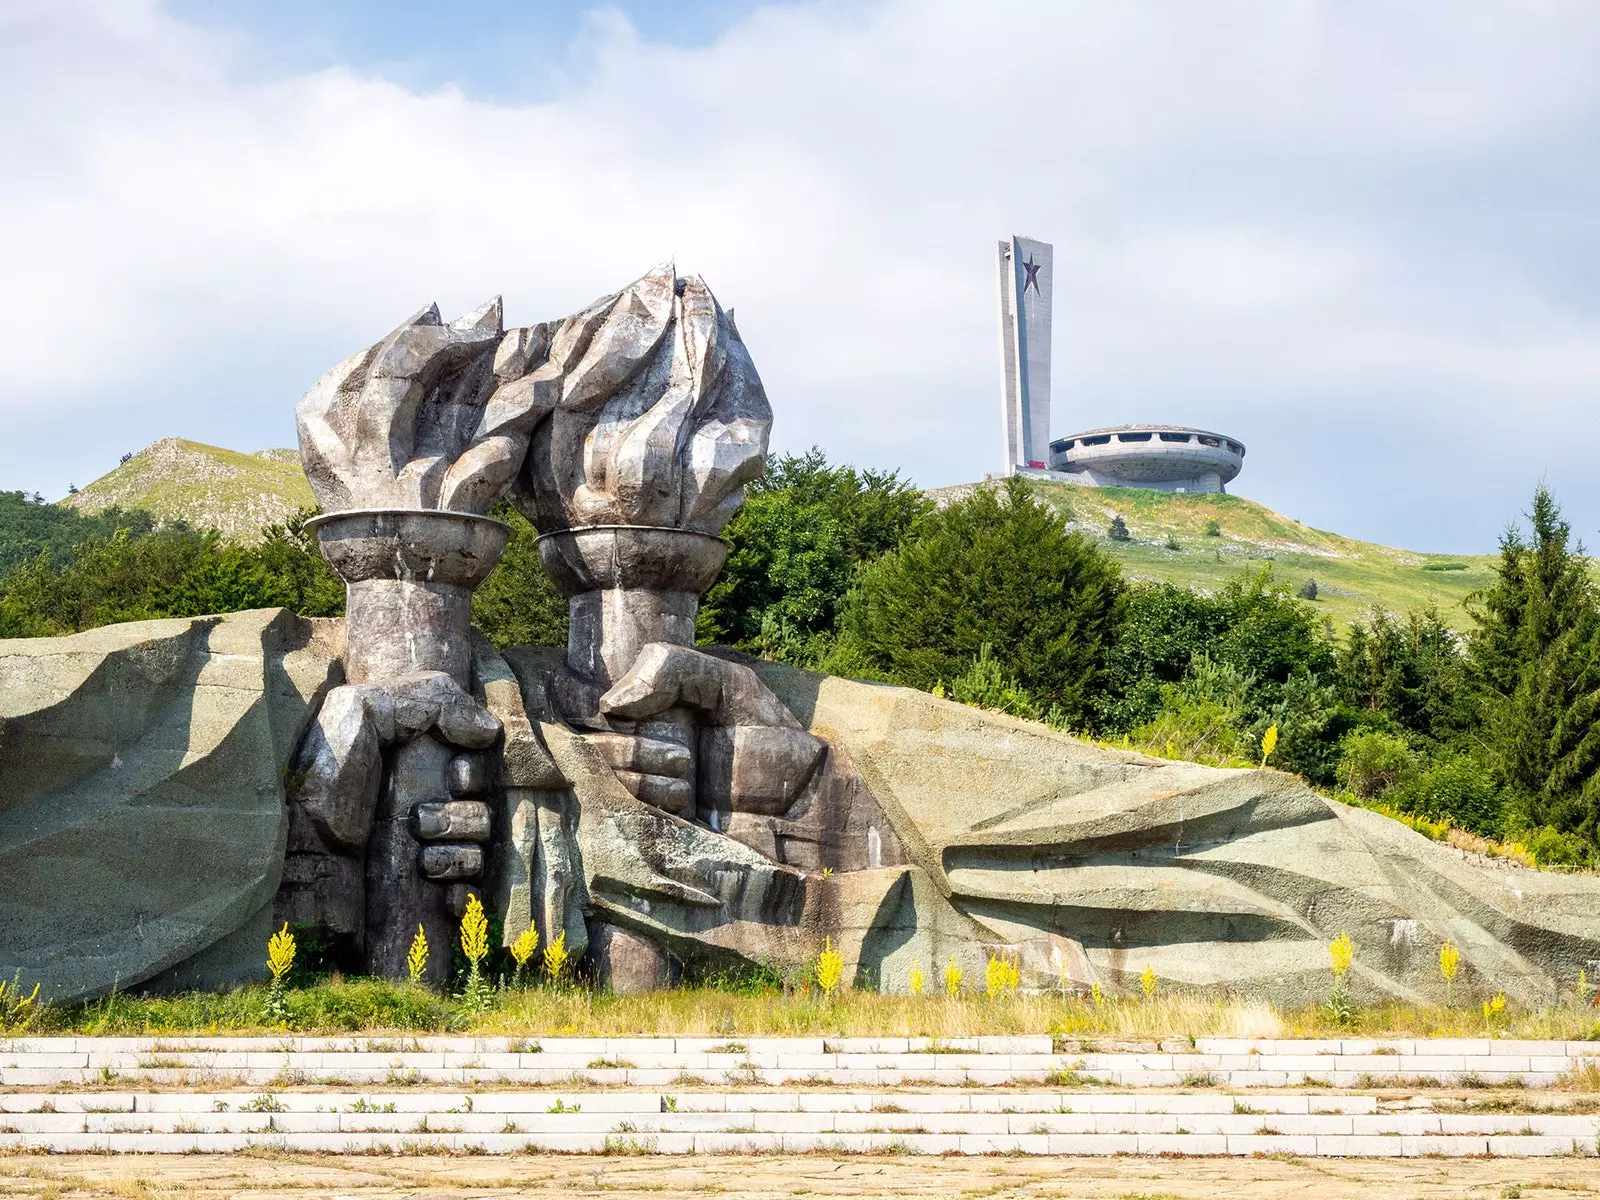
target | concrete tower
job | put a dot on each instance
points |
(1027, 282)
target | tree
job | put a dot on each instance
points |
(29, 527)
(1407, 675)
(171, 572)
(1535, 648)
(518, 605)
(1117, 531)
(1164, 628)
(806, 530)
(996, 568)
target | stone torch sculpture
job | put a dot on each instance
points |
(406, 445)
(661, 421)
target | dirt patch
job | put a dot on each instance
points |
(559, 1176)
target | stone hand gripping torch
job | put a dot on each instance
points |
(406, 445)
(661, 422)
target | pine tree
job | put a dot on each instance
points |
(997, 568)
(1536, 668)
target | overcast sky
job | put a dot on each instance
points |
(1360, 237)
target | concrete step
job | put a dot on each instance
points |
(756, 1141)
(995, 1095)
(658, 1062)
(733, 1122)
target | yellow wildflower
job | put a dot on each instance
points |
(1147, 981)
(474, 932)
(1269, 742)
(1001, 976)
(1341, 953)
(830, 967)
(280, 953)
(417, 958)
(916, 981)
(952, 978)
(522, 949)
(555, 957)
(1493, 1008)
(1449, 963)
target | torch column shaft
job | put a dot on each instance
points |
(608, 627)
(394, 627)
(409, 575)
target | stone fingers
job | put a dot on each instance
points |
(452, 831)
(650, 756)
(669, 795)
(756, 768)
(451, 820)
(448, 861)
(654, 770)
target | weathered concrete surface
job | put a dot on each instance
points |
(1228, 878)
(142, 837)
(142, 822)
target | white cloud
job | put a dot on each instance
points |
(1276, 218)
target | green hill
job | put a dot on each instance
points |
(1351, 576)
(241, 494)
(236, 494)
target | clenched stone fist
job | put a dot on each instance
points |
(743, 752)
(420, 735)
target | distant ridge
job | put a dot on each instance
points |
(1170, 540)
(239, 495)
(236, 494)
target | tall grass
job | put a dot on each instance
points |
(335, 1006)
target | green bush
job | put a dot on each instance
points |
(800, 542)
(986, 685)
(996, 568)
(1552, 848)
(1371, 762)
(1456, 788)
(29, 528)
(173, 572)
(1193, 727)
(518, 605)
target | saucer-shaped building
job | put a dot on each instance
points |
(1169, 458)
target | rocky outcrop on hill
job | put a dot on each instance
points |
(238, 495)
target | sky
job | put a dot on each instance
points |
(1359, 236)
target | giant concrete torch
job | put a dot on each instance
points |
(406, 445)
(661, 422)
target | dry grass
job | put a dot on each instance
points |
(389, 1010)
(704, 1012)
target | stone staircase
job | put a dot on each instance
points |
(1014, 1095)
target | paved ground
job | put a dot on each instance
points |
(260, 1177)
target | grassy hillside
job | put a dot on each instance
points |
(237, 494)
(1351, 576)
(241, 494)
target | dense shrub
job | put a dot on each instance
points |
(173, 572)
(1456, 788)
(30, 528)
(1371, 762)
(806, 531)
(996, 568)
